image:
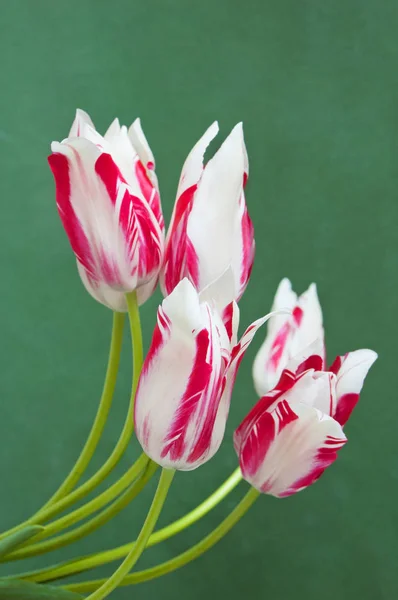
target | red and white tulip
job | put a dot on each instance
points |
(295, 431)
(288, 334)
(108, 200)
(210, 239)
(185, 387)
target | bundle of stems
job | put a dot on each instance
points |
(43, 533)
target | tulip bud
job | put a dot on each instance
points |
(109, 204)
(295, 431)
(185, 387)
(211, 233)
(288, 334)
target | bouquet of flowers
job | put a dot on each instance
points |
(107, 196)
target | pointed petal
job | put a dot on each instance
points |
(113, 131)
(351, 371)
(132, 154)
(214, 221)
(140, 143)
(181, 259)
(192, 169)
(82, 119)
(288, 448)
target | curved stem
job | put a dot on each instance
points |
(182, 559)
(94, 560)
(101, 519)
(110, 584)
(125, 436)
(102, 413)
(80, 513)
(97, 428)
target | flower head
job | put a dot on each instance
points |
(294, 432)
(185, 387)
(211, 237)
(288, 333)
(108, 200)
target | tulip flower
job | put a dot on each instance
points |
(184, 391)
(108, 200)
(211, 234)
(295, 431)
(287, 334)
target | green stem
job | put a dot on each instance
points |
(136, 341)
(125, 436)
(96, 429)
(81, 513)
(101, 416)
(98, 521)
(110, 584)
(94, 560)
(182, 559)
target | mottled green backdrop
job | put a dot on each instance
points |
(315, 82)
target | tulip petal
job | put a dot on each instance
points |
(289, 335)
(132, 153)
(103, 293)
(140, 143)
(287, 449)
(143, 238)
(214, 223)
(82, 119)
(192, 169)
(309, 357)
(351, 370)
(180, 256)
(244, 249)
(70, 206)
(220, 291)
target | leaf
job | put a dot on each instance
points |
(14, 540)
(15, 589)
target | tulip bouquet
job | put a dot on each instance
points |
(107, 196)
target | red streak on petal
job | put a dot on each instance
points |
(180, 257)
(109, 174)
(149, 191)
(248, 248)
(345, 406)
(227, 318)
(336, 366)
(323, 459)
(286, 381)
(278, 345)
(159, 338)
(175, 441)
(59, 165)
(312, 362)
(298, 314)
(135, 220)
(260, 437)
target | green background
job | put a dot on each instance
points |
(315, 83)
